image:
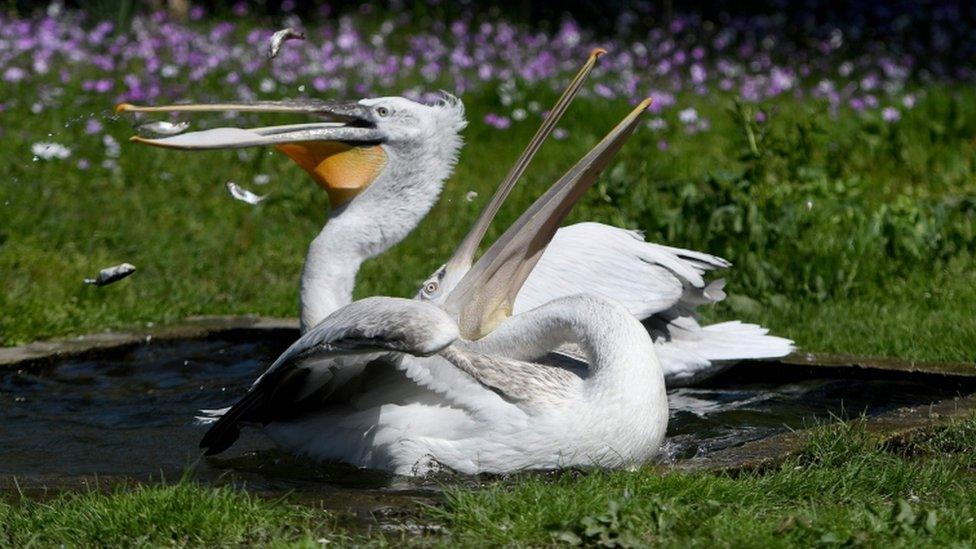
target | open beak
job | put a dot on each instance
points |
(341, 153)
(463, 257)
(344, 122)
(486, 294)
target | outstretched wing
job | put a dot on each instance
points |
(376, 324)
(618, 264)
(660, 285)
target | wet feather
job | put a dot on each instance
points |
(109, 275)
(244, 195)
(278, 38)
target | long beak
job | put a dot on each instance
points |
(463, 257)
(345, 122)
(240, 138)
(486, 294)
(342, 154)
(348, 109)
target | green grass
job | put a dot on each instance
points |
(846, 487)
(924, 316)
(179, 515)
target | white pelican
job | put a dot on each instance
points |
(383, 163)
(431, 395)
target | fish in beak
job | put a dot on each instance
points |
(342, 153)
(485, 295)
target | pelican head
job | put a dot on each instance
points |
(383, 162)
(355, 144)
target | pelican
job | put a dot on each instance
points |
(383, 163)
(410, 386)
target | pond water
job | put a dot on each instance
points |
(130, 415)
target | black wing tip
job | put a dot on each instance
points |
(250, 408)
(219, 438)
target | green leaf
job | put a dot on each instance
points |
(931, 521)
(567, 537)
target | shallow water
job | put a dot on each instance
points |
(131, 415)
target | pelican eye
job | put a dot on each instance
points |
(430, 287)
(383, 111)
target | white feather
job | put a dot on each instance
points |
(614, 416)
(658, 284)
(469, 409)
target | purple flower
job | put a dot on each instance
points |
(781, 79)
(497, 122)
(890, 114)
(657, 124)
(660, 100)
(14, 74)
(603, 90)
(93, 126)
(366, 52)
(662, 145)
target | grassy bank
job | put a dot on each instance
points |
(179, 515)
(845, 488)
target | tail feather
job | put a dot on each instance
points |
(693, 352)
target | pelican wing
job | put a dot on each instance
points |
(618, 264)
(377, 324)
(660, 285)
